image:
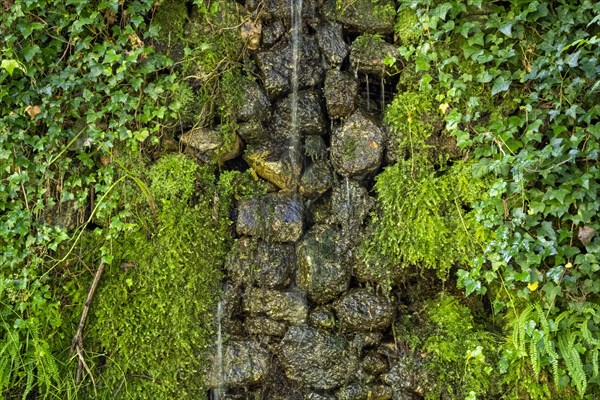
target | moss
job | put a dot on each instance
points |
(407, 29)
(455, 356)
(170, 19)
(150, 324)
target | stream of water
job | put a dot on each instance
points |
(218, 391)
(296, 12)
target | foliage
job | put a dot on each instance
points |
(81, 87)
(151, 324)
(457, 356)
(518, 84)
(427, 226)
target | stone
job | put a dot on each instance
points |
(310, 118)
(319, 211)
(322, 270)
(374, 363)
(290, 307)
(315, 359)
(258, 263)
(273, 217)
(358, 391)
(244, 363)
(360, 16)
(253, 104)
(322, 318)
(278, 163)
(275, 66)
(362, 310)
(318, 396)
(272, 32)
(350, 203)
(212, 145)
(377, 272)
(252, 132)
(357, 146)
(332, 44)
(340, 90)
(316, 179)
(364, 339)
(369, 53)
(280, 9)
(263, 326)
(315, 148)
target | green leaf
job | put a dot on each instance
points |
(11, 65)
(501, 84)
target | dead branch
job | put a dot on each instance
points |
(77, 343)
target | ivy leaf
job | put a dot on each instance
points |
(501, 84)
(507, 29)
(11, 65)
(573, 59)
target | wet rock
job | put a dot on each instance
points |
(369, 53)
(340, 90)
(363, 340)
(407, 375)
(259, 263)
(358, 391)
(275, 66)
(363, 15)
(318, 396)
(322, 318)
(315, 148)
(357, 146)
(281, 9)
(322, 271)
(252, 132)
(278, 163)
(350, 203)
(264, 326)
(274, 217)
(316, 359)
(310, 118)
(212, 145)
(362, 310)
(244, 363)
(374, 363)
(319, 211)
(251, 31)
(316, 179)
(376, 271)
(272, 32)
(332, 45)
(253, 103)
(288, 307)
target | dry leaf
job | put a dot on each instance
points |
(33, 111)
(586, 234)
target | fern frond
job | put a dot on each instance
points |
(519, 334)
(534, 356)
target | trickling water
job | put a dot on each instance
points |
(218, 391)
(296, 9)
(368, 94)
(382, 93)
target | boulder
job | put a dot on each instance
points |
(350, 203)
(263, 326)
(363, 310)
(316, 179)
(272, 32)
(259, 263)
(277, 305)
(275, 66)
(374, 363)
(252, 132)
(360, 16)
(322, 271)
(357, 146)
(359, 391)
(369, 54)
(309, 120)
(274, 217)
(315, 148)
(212, 145)
(340, 90)
(278, 163)
(331, 43)
(253, 104)
(244, 363)
(322, 318)
(317, 360)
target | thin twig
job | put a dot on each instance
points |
(77, 343)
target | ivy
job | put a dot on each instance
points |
(517, 83)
